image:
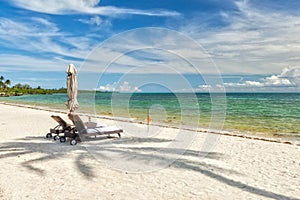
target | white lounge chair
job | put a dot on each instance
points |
(86, 131)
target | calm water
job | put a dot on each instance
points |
(255, 113)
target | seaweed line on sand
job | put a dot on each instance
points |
(224, 133)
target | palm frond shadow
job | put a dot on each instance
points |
(29, 145)
(52, 150)
(137, 154)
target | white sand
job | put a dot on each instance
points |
(33, 167)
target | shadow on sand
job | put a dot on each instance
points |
(53, 150)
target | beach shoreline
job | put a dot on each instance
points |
(279, 139)
(138, 166)
(277, 115)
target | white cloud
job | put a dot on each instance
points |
(84, 7)
(108, 87)
(287, 81)
(116, 87)
(150, 50)
(97, 23)
(11, 62)
(288, 78)
(254, 41)
(205, 88)
(93, 20)
(291, 73)
(277, 81)
(36, 27)
(245, 84)
(41, 35)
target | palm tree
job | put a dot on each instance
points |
(4, 83)
(1, 81)
(7, 83)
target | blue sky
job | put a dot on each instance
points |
(253, 45)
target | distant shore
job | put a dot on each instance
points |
(3, 94)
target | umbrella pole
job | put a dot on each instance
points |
(148, 120)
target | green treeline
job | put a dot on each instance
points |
(21, 89)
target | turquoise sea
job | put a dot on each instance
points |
(272, 114)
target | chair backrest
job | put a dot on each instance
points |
(79, 124)
(60, 121)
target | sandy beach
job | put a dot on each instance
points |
(140, 166)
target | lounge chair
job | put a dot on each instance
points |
(63, 127)
(84, 131)
(60, 128)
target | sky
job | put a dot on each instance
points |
(153, 46)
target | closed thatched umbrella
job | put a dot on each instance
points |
(72, 103)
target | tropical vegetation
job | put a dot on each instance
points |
(21, 89)
(4, 83)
